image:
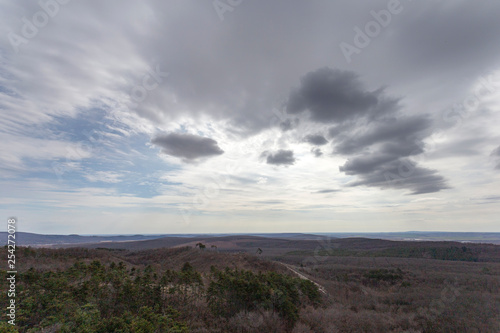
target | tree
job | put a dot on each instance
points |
(234, 291)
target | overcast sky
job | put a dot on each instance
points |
(250, 116)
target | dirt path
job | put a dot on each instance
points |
(302, 276)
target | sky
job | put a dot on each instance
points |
(238, 116)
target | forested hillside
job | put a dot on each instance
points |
(96, 291)
(199, 289)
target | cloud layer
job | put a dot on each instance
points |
(115, 110)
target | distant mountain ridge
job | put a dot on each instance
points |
(33, 239)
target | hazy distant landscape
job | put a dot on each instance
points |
(163, 240)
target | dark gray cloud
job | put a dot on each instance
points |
(332, 95)
(365, 164)
(381, 155)
(316, 139)
(400, 134)
(317, 152)
(189, 147)
(396, 174)
(281, 157)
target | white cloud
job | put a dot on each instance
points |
(105, 177)
(17, 150)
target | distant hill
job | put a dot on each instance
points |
(337, 247)
(32, 239)
(234, 243)
(465, 237)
